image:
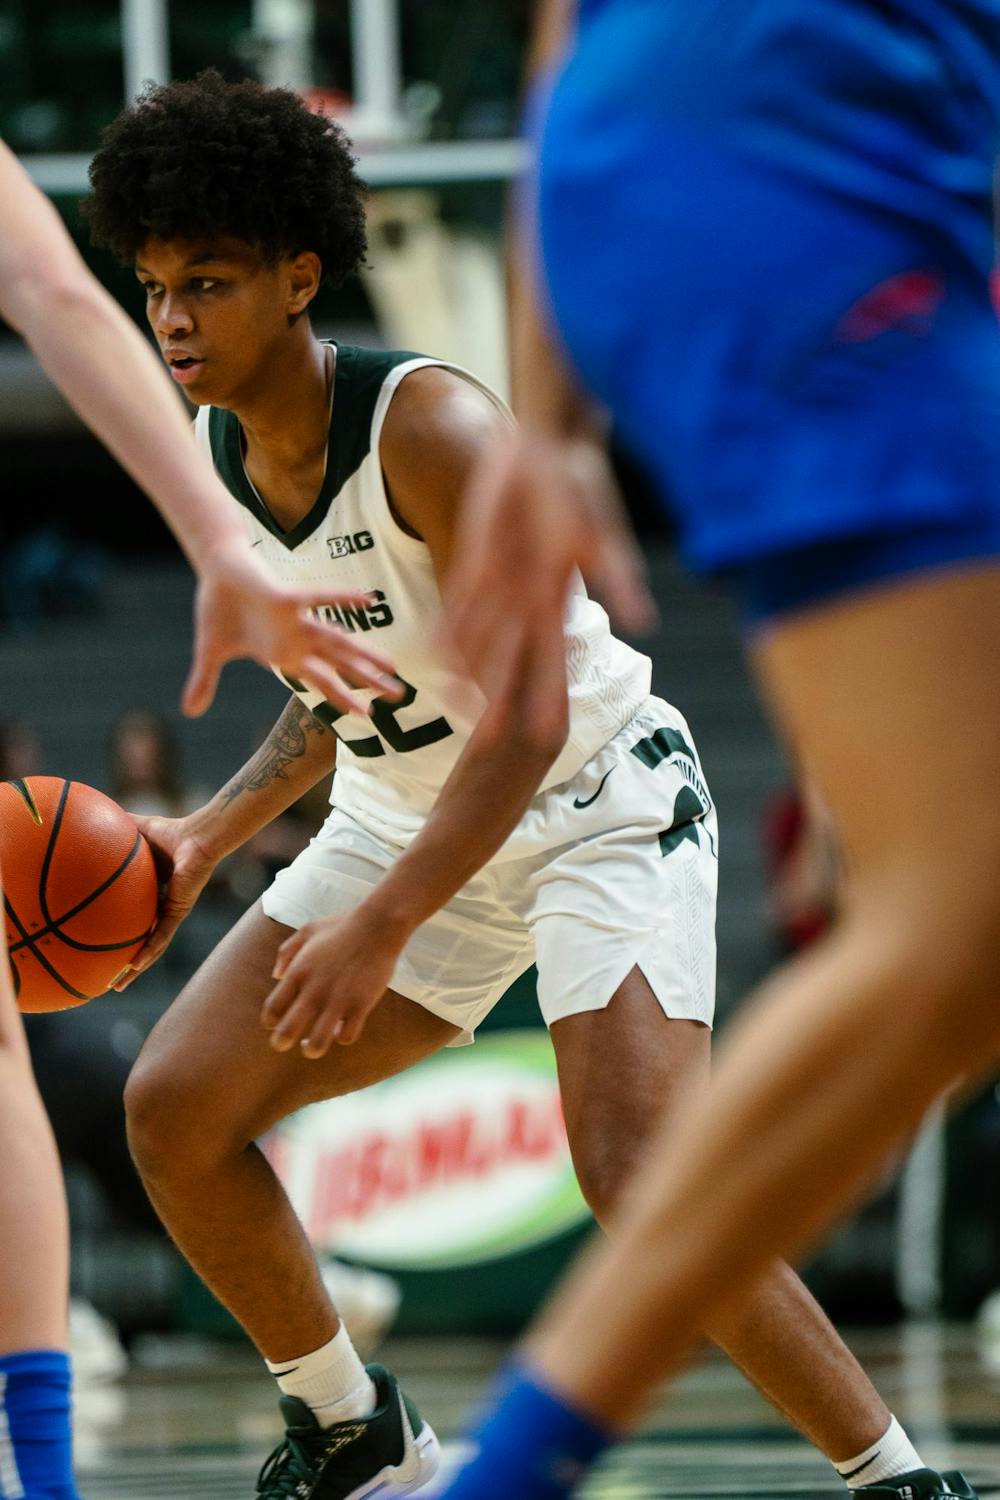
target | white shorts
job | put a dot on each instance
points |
(616, 868)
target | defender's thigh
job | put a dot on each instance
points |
(621, 1070)
(211, 1053)
(889, 700)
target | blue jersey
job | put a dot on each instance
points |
(767, 229)
(968, 29)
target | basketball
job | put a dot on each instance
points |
(80, 890)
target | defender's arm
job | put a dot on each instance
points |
(108, 373)
(543, 503)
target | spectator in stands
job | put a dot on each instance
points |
(50, 571)
(20, 751)
(803, 867)
(145, 766)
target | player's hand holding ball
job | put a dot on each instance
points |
(185, 864)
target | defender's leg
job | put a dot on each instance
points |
(887, 699)
(34, 1233)
(34, 1277)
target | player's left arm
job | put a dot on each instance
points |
(333, 973)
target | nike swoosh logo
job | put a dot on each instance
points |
(588, 800)
(290, 1371)
(257, 542)
(861, 1467)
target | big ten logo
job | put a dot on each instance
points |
(353, 542)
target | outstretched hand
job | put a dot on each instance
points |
(241, 610)
(538, 508)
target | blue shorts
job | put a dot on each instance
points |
(767, 235)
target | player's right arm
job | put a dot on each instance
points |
(108, 373)
(555, 21)
(299, 752)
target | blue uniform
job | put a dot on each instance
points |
(767, 233)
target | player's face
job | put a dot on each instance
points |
(218, 312)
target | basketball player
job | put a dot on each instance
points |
(105, 369)
(766, 232)
(459, 847)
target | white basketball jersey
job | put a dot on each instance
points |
(390, 769)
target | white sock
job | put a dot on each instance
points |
(893, 1454)
(332, 1381)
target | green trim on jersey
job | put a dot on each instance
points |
(358, 379)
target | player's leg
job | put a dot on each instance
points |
(886, 699)
(35, 1436)
(206, 1086)
(623, 1072)
(33, 1288)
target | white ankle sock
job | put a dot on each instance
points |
(332, 1381)
(893, 1454)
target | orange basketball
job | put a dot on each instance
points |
(79, 886)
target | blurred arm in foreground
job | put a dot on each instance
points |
(107, 372)
(543, 502)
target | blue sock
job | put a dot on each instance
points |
(532, 1444)
(36, 1450)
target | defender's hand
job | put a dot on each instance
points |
(184, 867)
(331, 975)
(241, 610)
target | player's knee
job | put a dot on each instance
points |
(145, 1116)
(602, 1175)
(943, 962)
(600, 1194)
(165, 1130)
(966, 1023)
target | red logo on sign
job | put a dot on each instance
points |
(382, 1169)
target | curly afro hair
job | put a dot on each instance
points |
(210, 158)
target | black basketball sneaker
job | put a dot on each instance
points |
(921, 1484)
(392, 1452)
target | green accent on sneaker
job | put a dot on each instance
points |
(920, 1484)
(332, 1463)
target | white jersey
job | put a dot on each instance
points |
(390, 769)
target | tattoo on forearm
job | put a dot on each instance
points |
(287, 741)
